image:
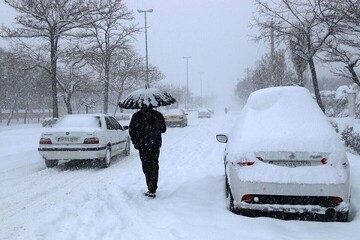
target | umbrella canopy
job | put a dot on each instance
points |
(143, 98)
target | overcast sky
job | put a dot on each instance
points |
(216, 34)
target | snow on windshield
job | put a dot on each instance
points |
(282, 119)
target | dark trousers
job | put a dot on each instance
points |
(150, 166)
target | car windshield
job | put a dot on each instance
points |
(79, 122)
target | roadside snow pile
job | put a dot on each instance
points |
(349, 131)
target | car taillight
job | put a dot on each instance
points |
(245, 163)
(324, 161)
(247, 198)
(93, 140)
(337, 200)
(45, 141)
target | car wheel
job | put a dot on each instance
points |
(51, 163)
(127, 148)
(105, 162)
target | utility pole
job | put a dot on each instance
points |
(147, 84)
(187, 82)
(201, 95)
(274, 76)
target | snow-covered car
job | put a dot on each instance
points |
(84, 137)
(284, 159)
(175, 117)
(204, 113)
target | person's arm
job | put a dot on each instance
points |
(161, 123)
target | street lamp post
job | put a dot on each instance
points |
(187, 82)
(147, 85)
(201, 96)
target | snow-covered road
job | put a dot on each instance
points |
(72, 202)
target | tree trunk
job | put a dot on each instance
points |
(67, 100)
(53, 61)
(26, 112)
(12, 111)
(106, 89)
(354, 75)
(315, 84)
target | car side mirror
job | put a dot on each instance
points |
(222, 138)
(125, 127)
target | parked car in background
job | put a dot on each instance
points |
(84, 136)
(284, 159)
(175, 117)
(204, 113)
(48, 122)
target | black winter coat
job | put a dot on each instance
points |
(146, 127)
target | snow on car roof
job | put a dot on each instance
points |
(282, 119)
(79, 121)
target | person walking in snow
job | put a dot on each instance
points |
(145, 129)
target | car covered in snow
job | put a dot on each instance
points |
(84, 137)
(284, 159)
(175, 117)
(204, 113)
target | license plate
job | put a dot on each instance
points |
(291, 163)
(68, 139)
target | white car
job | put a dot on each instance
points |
(175, 117)
(84, 136)
(204, 113)
(284, 159)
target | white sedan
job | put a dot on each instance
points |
(284, 159)
(84, 136)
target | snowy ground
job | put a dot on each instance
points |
(71, 202)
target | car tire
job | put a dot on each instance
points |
(106, 161)
(51, 163)
(126, 151)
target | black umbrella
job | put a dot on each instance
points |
(150, 97)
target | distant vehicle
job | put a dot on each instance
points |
(284, 159)
(204, 113)
(48, 122)
(84, 136)
(175, 117)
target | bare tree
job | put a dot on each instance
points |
(51, 21)
(269, 71)
(73, 77)
(344, 47)
(106, 38)
(300, 64)
(19, 83)
(307, 23)
(125, 72)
